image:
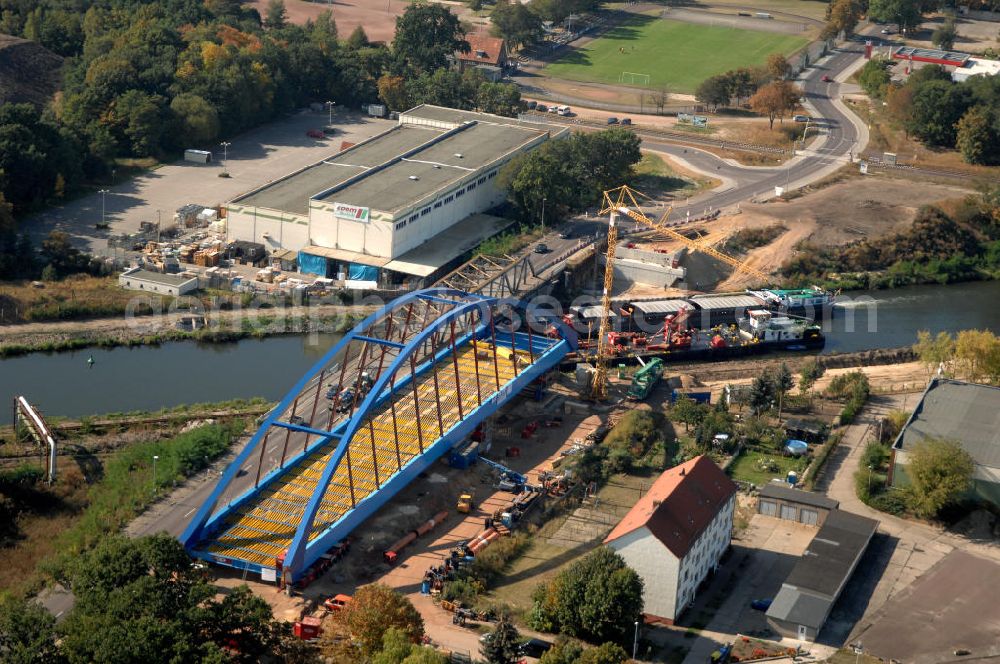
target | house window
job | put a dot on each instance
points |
(425, 211)
(481, 180)
(472, 185)
(438, 204)
(449, 199)
(460, 192)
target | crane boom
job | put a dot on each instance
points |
(599, 386)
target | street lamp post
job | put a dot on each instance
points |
(225, 155)
(330, 105)
(543, 215)
(103, 193)
(155, 457)
(635, 640)
(870, 469)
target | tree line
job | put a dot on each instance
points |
(940, 247)
(144, 79)
(765, 90)
(522, 24)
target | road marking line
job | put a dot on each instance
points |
(59, 614)
(189, 512)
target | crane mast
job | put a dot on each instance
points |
(622, 200)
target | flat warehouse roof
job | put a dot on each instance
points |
(830, 558)
(436, 166)
(292, 193)
(780, 492)
(159, 278)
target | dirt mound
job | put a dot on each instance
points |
(28, 72)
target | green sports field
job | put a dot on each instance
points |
(674, 54)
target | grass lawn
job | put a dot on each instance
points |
(747, 468)
(674, 54)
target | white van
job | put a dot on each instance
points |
(563, 110)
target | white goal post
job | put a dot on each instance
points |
(632, 78)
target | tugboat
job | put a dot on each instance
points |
(814, 300)
(780, 331)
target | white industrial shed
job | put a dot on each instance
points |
(387, 196)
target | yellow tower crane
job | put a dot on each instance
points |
(622, 200)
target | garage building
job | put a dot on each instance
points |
(403, 202)
(807, 596)
(782, 501)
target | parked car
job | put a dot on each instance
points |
(541, 108)
(296, 419)
(886, 31)
(801, 118)
(530, 105)
(564, 110)
(337, 602)
(825, 78)
(565, 235)
(343, 402)
(612, 120)
(535, 648)
(315, 133)
(761, 604)
(541, 248)
(626, 121)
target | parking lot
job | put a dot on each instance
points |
(254, 159)
(951, 608)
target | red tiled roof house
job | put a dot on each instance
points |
(676, 534)
(487, 53)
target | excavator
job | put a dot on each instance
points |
(623, 201)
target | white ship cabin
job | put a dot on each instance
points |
(763, 325)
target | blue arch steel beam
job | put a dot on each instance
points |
(196, 529)
(294, 560)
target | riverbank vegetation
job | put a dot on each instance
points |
(94, 498)
(971, 354)
(951, 243)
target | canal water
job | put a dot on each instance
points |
(148, 378)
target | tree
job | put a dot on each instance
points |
(842, 16)
(63, 257)
(976, 136)
(563, 651)
(501, 646)
(714, 91)
(27, 632)
(686, 410)
(140, 600)
(499, 98)
(597, 598)
(944, 37)
(516, 23)
(778, 66)
(398, 648)
(607, 653)
(977, 353)
(197, 120)
(874, 77)
(899, 104)
(775, 99)
(426, 34)
(904, 13)
(782, 382)
(937, 108)
(761, 394)
(393, 91)
(374, 609)
(659, 98)
(358, 38)
(275, 16)
(810, 372)
(940, 472)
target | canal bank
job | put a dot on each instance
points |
(153, 377)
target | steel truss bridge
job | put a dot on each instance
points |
(406, 385)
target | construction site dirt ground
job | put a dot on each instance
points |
(841, 213)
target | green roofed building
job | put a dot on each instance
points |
(966, 413)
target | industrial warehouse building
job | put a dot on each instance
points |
(676, 534)
(779, 500)
(966, 413)
(403, 203)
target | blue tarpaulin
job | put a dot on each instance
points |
(310, 264)
(357, 272)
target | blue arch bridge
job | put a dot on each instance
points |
(405, 386)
